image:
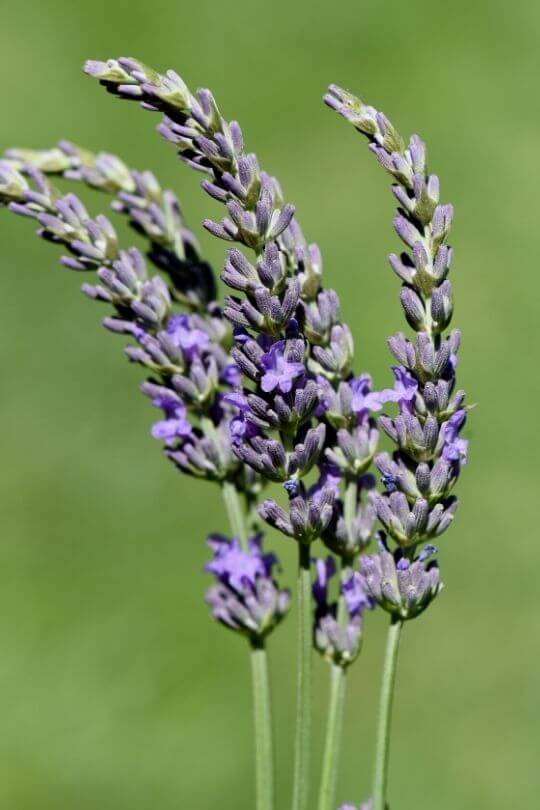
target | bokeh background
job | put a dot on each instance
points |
(116, 690)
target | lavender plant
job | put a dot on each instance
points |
(262, 389)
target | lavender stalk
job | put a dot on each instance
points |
(332, 743)
(416, 505)
(384, 723)
(275, 360)
(170, 344)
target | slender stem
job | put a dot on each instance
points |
(262, 715)
(260, 680)
(385, 715)
(332, 745)
(231, 498)
(234, 511)
(303, 710)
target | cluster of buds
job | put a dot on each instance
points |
(192, 122)
(246, 598)
(337, 630)
(151, 211)
(418, 477)
(403, 585)
(188, 354)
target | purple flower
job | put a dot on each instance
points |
(455, 448)
(192, 340)
(240, 427)
(280, 373)
(404, 390)
(175, 425)
(232, 376)
(356, 597)
(324, 571)
(235, 567)
(363, 398)
(329, 478)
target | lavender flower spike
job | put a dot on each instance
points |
(419, 476)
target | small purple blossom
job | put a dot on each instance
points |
(191, 340)
(241, 428)
(455, 448)
(235, 567)
(325, 569)
(279, 373)
(356, 597)
(231, 376)
(364, 399)
(175, 425)
(404, 390)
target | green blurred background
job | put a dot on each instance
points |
(116, 690)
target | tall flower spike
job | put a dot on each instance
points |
(186, 353)
(153, 212)
(419, 476)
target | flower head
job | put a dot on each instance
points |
(175, 425)
(337, 631)
(279, 372)
(245, 597)
(404, 390)
(364, 399)
(190, 338)
(403, 587)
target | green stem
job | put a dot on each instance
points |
(303, 710)
(334, 722)
(262, 711)
(385, 715)
(262, 715)
(234, 511)
(231, 498)
(332, 745)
